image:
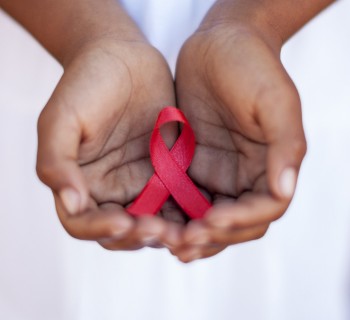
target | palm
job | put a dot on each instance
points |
(226, 163)
(108, 101)
(235, 92)
(231, 149)
(118, 113)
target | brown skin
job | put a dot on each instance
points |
(247, 119)
(94, 131)
(101, 116)
(246, 114)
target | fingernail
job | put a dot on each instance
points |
(71, 200)
(288, 180)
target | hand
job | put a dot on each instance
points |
(94, 142)
(246, 114)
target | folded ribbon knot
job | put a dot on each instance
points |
(170, 177)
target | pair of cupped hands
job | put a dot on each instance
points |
(245, 112)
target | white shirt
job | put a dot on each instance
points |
(299, 270)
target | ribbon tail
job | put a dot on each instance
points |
(151, 199)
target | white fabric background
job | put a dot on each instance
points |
(299, 270)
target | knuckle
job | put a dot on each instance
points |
(210, 238)
(285, 95)
(110, 231)
(108, 246)
(236, 223)
(45, 169)
(73, 232)
(278, 214)
(42, 119)
(299, 147)
(261, 233)
(288, 93)
(41, 171)
(113, 231)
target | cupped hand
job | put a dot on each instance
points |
(94, 142)
(246, 114)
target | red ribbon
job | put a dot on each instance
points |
(170, 176)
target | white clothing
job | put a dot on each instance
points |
(299, 270)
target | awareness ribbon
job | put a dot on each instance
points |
(170, 177)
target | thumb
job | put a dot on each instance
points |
(59, 136)
(281, 121)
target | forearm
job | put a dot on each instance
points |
(281, 17)
(64, 26)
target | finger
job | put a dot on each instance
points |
(96, 223)
(195, 243)
(192, 253)
(211, 241)
(279, 114)
(200, 233)
(173, 213)
(228, 236)
(250, 210)
(59, 136)
(172, 236)
(208, 252)
(147, 231)
(120, 245)
(175, 224)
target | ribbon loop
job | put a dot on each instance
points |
(170, 176)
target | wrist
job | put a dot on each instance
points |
(63, 27)
(275, 20)
(244, 17)
(104, 31)
(106, 40)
